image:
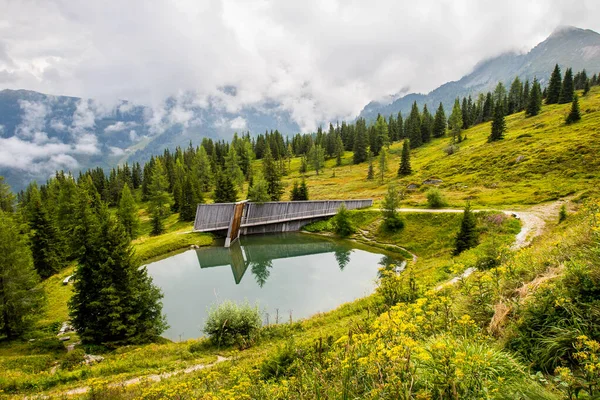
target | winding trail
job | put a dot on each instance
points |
(152, 378)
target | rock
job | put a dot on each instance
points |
(520, 158)
(65, 328)
(64, 338)
(194, 246)
(432, 181)
(412, 186)
(71, 347)
(92, 359)
(67, 279)
(31, 340)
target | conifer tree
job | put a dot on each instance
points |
(567, 90)
(382, 134)
(426, 125)
(114, 300)
(339, 150)
(498, 125)
(316, 157)
(45, 243)
(515, 96)
(526, 93)
(258, 192)
(400, 134)
(190, 198)
(439, 123)
(232, 167)
(272, 176)
(392, 129)
(303, 165)
(586, 87)
(455, 122)
(392, 222)
(225, 191)
(383, 164)
(405, 168)
(370, 170)
(360, 142)
(303, 191)
(413, 127)
(20, 297)
(202, 169)
(554, 86)
(159, 197)
(574, 114)
(294, 193)
(468, 236)
(7, 198)
(535, 100)
(128, 213)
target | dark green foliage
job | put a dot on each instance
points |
(20, 299)
(230, 323)
(567, 90)
(342, 223)
(468, 236)
(435, 199)
(498, 126)
(535, 100)
(413, 127)
(7, 198)
(370, 170)
(159, 197)
(299, 192)
(303, 165)
(554, 86)
(439, 123)
(279, 364)
(405, 168)
(586, 87)
(128, 213)
(574, 114)
(272, 176)
(455, 122)
(258, 191)
(191, 196)
(225, 191)
(361, 142)
(392, 222)
(316, 157)
(562, 214)
(515, 97)
(114, 300)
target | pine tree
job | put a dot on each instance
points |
(426, 125)
(272, 176)
(303, 191)
(455, 122)
(586, 87)
(413, 127)
(339, 150)
(535, 100)
(190, 198)
(202, 169)
(405, 168)
(21, 299)
(391, 218)
(567, 90)
(515, 96)
(7, 198)
(316, 157)
(45, 243)
(128, 213)
(439, 123)
(382, 134)
(383, 164)
(575, 114)
(225, 191)
(498, 125)
(232, 167)
(294, 193)
(468, 236)
(114, 300)
(554, 86)
(360, 142)
(370, 170)
(159, 197)
(258, 192)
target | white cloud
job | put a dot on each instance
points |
(120, 126)
(321, 59)
(117, 151)
(33, 118)
(238, 123)
(133, 135)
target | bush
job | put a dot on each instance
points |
(73, 359)
(451, 149)
(279, 364)
(341, 222)
(435, 199)
(562, 214)
(230, 323)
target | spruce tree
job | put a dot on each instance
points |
(225, 191)
(567, 90)
(114, 300)
(426, 125)
(439, 123)
(413, 127)
(316, 157)
(575, 114)
(554, 86)
(294, 193)
(159, 197)
(190, 198)
(498, 125)
(382, 134)
(392, 222)
(258, 191)
(405, 168)
(303, 191)
(455, 122)
(7, 198)
(21, 299)
(202, 169)
(383, 164)
(232, 167)
(370, 170)
(128, 213)
(468, 236)
(586, 87)
(339, 150)
(535, 100)
(272, 176)
(360, 142)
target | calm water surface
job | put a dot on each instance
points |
(295, 274)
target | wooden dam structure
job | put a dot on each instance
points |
(247, 218)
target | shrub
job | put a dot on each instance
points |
(73, 359)
(394, 288)
(435, 199)
(229, 323)
(562, 214)
(48, 345)
(341, 222)
(279, 363)
(449, 150)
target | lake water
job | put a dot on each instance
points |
(284, 274)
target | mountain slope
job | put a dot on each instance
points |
(567, 46)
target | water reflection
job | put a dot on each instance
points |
(258, 253)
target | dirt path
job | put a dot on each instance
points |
(152, 378)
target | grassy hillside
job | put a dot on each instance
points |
(540, 159)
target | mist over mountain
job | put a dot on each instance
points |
(41, 133)
(567, 46)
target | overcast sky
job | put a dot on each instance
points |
(319, 58)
